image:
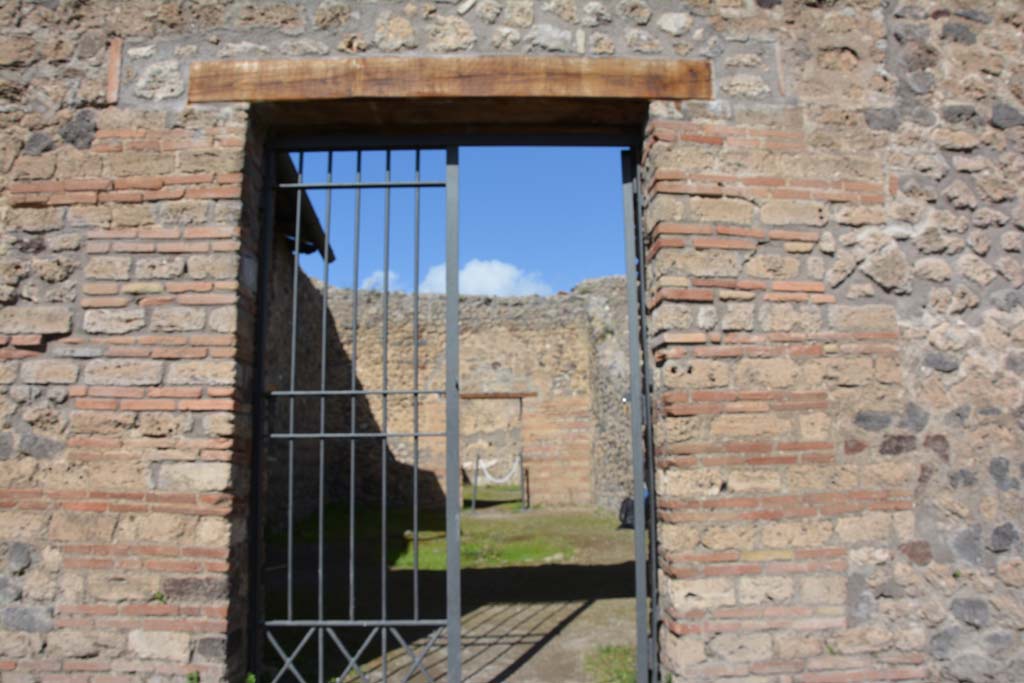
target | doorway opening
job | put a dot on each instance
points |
(439, 434)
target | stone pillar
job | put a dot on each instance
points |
(123, 472)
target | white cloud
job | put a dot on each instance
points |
(376, 280)
(488, 278)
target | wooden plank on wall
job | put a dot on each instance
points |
(291, 80)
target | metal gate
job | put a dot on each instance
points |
(319, 611)
(304, 435)
(645, 537)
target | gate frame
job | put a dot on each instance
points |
(645, 574)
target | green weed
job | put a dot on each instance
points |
(611, 664)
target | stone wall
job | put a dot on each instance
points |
(835, 265)
(565, 355)
(835, 257)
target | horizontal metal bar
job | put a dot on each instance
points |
(357, 435)
(356, 186)
(338, 623)
(357, 392)
(620, 137)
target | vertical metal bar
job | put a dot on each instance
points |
(453, 502)
(476, 478)
(255, 535)
(325, 288)
(352, 401)
(636, 417)
(652, 494)
(291, 387)
(522, 453)
(416, 398)
(384, 417)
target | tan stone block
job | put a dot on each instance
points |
(724, 210)
(761, 590)
(224, 319)
(694, 263)
(171, 646)
(850, 371)
(796, 534)
(793, 212)
(668, 430)
(815, 426)
(17, 645)
(1011, 571)
(798, 645)
(164, 423)
(8, 371)
(139, 163)
(159, 267)
(49, 371)
(699, 373)
(115, 587)
(123, 372)
(823, 590)
(789, 318)
(683, 653)
(108, 267)
(213, 266)
(82, 527)
(754, 480)
(131, 215)
(738, 317)
(210, 372)
(800, 478)
(863, 318)
(114, 321)
(729, 537)
(867, 527)
(194, 476)
(35, 220)
(862, 639)
(177, 319)
(858, 215)
(101, 422)
(772, 266)
(693, 482)
(154, 527)
(777, 373)
(670, 316)
(219, 424)
(740, 426)
(70, 643)
(687, 594)
(890, 473)
(741, 647)
(18, 525)
(216, 532)
(35, 319)
(203, 161)
(664, 208)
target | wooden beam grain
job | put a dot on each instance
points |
(293, 80)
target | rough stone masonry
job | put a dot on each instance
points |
(835, 259)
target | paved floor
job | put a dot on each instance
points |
(533, 642)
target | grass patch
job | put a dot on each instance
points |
(491, 538)
(611, 664)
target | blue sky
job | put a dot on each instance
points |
(533, 220)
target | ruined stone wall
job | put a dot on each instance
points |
(573, 440)
(835, 268)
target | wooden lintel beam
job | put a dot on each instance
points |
(493, 395)
(292, 80)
